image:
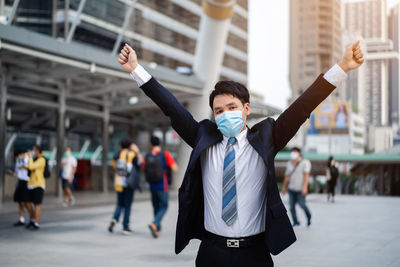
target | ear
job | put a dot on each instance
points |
(247, 109)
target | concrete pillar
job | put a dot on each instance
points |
(54, 19)
(3, 129)
(381, 181)
(60, 135)
(105, 143)
(164, 138)
(66, 19)
(209, 55)
(133, 132)
(210, 47)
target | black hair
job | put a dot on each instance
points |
(235, 89)
(39, 148)
(296, 149)
(155, 141)
(125, 143)
(329, 161)
(19, 151)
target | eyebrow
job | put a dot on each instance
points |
(228, 105)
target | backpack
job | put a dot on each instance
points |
(46, 172)
(334, 172)
(133, 179)
(122, 165)
(154, 169)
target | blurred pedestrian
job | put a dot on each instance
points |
(155, 166)
(332, 174)
(36, 185)
(123, 163)
(21, 194)
(133, 179)
(69, 164)
(296, 180)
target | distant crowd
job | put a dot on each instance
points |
(32, 170)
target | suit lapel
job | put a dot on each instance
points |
(209, 140)
(212, 137)
(256, 143)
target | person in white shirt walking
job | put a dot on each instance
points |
(69, 164)
(296, 180)
(21, 194)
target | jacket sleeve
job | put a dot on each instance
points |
(181, 120)
(289, 122)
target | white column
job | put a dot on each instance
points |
(209, 55)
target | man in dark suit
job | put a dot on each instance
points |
(229, 197)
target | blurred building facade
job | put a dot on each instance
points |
(61, 84)
(315, 46)
(368, 19)
(394, 70)
(334, 128)
(163, 32)
(315, 40)
(373, 89)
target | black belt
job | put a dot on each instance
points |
(235, 242)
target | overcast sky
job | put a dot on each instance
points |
(269, 49)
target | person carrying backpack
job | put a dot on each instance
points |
(332, 174)
(124, 163)
(36, 185)
(155, 167)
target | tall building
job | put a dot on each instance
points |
(394, 84)
(315, 46)
(315, 40)
(368, 19)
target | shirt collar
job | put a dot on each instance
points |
(241, 138)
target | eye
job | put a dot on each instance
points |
(232, 108)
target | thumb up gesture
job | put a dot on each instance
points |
(127, 58)
(353, 57)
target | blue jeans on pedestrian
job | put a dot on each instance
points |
(297, 197)
(159, 200)
(124, 201)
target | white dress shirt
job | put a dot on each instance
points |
(251, 188)
(250, 174)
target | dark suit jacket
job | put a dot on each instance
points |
(267, 138)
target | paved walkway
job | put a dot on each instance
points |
(355, 231)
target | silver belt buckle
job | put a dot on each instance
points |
(232, 243)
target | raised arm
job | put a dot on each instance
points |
(296, 114)
(181, 120)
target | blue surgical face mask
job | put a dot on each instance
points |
(230, 122)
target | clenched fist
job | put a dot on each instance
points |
(353, 57)
(128, 59)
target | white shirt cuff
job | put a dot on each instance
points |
(140, 75)
(335, 75)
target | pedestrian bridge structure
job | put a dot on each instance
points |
(53, 87)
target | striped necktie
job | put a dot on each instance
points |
(229, 211)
